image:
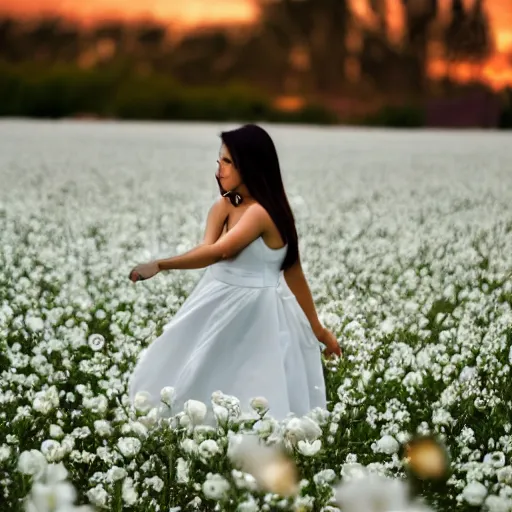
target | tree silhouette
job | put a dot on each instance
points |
(456, 35)
(420, 18)
(480, 42)
(197, 56)
(115, 31)
(318, 29)
(149, 49)
(468, 36)
(8, 48)
(380, 11)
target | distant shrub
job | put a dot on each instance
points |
(506, 111)
(62, 91)
(407, 116)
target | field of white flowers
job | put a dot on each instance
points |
(406, 240)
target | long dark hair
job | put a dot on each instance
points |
(255, 158)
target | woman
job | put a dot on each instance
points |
(249, 328)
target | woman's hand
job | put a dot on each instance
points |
(331, 343)
(144, 271)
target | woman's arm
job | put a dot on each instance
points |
(251, 225)
(215, 221)
(297, 283)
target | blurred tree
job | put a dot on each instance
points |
(382, 65)
(149, 45)
(67, 43)
(480, 44)
(48, 39)
(151, 35)
(421, 16)
(261, 60)
(42, 38)
(455, 35)
(379, 8)
(8, 48)
(202, 57)
(468, 36)
(115, 31)
(317, 30)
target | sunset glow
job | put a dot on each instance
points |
(497, 71)
(187, 13)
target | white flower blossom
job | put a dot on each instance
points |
(309, 449)
(196, 411)
(32, 463)
(129, 446)
(474, 493)
(215, 487)
(386, 444)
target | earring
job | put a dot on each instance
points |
(238, 199)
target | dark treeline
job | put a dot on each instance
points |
(313, 49)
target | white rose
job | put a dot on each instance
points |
(324, 477)
(182, 470)
(189, 446)
(215, 487)
(138, 428)
(249, 505)
(96, 342)
(68, 443)
(184, 420)
(505, 475)
(294, 430)
(116, 473)
(32, 463)
(128, 492)
(102, 428)
(311, 428)
(42, 405)
(129, 446)
(208, 448)
(352, 471)
(167, 395)
(195, 410)
(142, 402)
(56, 432)
(157, 484)
(495, 459)
(151, 418)
(260, 404)
(497, 504)
(52, 450)
(97, 404)
(309, 449)
(442, 417)
(34, 323)
(386, 444)
(468, 373)
(98, 496)
(5, 452)
(474, 493)
(265, 427)
(220, 413)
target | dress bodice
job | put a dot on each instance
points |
(256, 266)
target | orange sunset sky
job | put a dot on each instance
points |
(188, 13)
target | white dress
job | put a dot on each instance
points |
(241, 331)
